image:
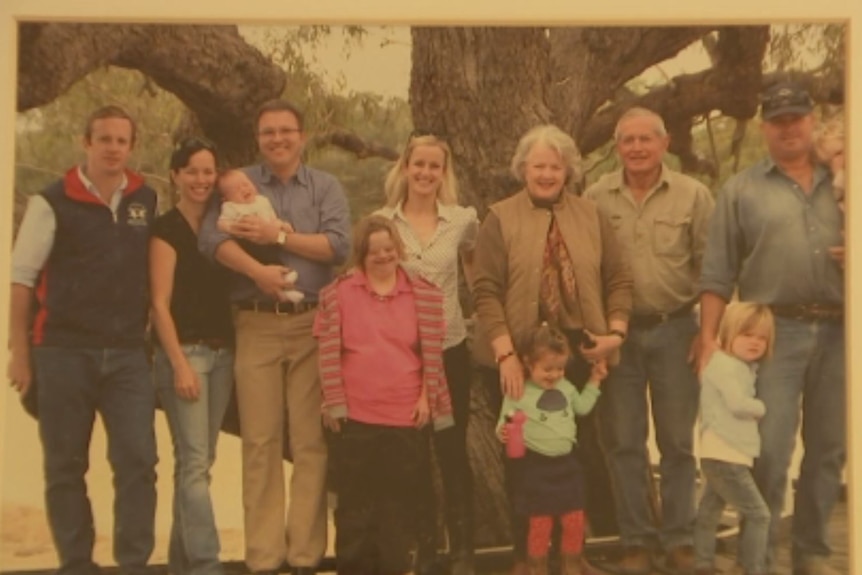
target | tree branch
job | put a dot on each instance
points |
(351, 142)
(219, 76)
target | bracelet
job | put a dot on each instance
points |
(504, 356)
(617, 332)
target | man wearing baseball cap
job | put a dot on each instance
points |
(776, 236)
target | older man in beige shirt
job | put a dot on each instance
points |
(660, 218)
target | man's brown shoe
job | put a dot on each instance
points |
(680, 559)
(814, 565)
(635, 561)
(577, 564)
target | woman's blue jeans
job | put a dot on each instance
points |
(195, 426)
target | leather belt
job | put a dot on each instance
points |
(654, 319)
(278, 308)
(809, 311)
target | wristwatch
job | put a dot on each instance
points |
(619, 333)
(281, 237)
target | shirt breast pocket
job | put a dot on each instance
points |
(670, 236)
(306, 220)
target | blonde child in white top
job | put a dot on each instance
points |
(729, 437)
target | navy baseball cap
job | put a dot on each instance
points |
(785, 98)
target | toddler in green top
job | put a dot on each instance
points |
(548, 480)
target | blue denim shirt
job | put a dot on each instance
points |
(770, 239)
(313, 202)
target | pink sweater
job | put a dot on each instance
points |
(378, 388)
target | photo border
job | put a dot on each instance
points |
(458, 12)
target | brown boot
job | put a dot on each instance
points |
(538, 565)
(577, 564)
(635, 561)
(680, 560)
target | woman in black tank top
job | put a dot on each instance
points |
(194, 355)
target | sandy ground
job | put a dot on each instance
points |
(25, 541)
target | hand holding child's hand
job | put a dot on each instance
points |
(600, 346)
(599, 371)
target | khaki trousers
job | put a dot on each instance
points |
(276, 373)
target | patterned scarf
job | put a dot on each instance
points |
(557, 286)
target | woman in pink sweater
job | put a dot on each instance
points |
(381, 338)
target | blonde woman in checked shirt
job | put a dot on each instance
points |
(422, 200)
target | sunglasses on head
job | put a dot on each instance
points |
(195, 143)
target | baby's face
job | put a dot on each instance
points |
(828, 147)
(236, 187)
(836, 164)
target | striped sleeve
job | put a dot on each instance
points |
(327, 330)
(432, 330)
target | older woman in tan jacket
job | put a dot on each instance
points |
(547, 255)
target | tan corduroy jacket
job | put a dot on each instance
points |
(508, 267)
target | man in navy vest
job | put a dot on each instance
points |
(81, 254)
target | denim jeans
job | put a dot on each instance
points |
(654, 357)
(807, 365)
(731, 483)
(74, 384)
(195, 425)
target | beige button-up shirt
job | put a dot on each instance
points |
(664, 235)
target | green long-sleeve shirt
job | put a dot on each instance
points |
(550, 428)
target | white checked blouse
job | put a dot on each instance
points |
(456, 231)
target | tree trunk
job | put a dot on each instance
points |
(481, 89)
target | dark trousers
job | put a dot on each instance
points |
(450, 447)
(600, 510)
(378, 468)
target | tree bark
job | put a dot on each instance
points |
(481, 89)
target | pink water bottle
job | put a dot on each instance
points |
(515, 446)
